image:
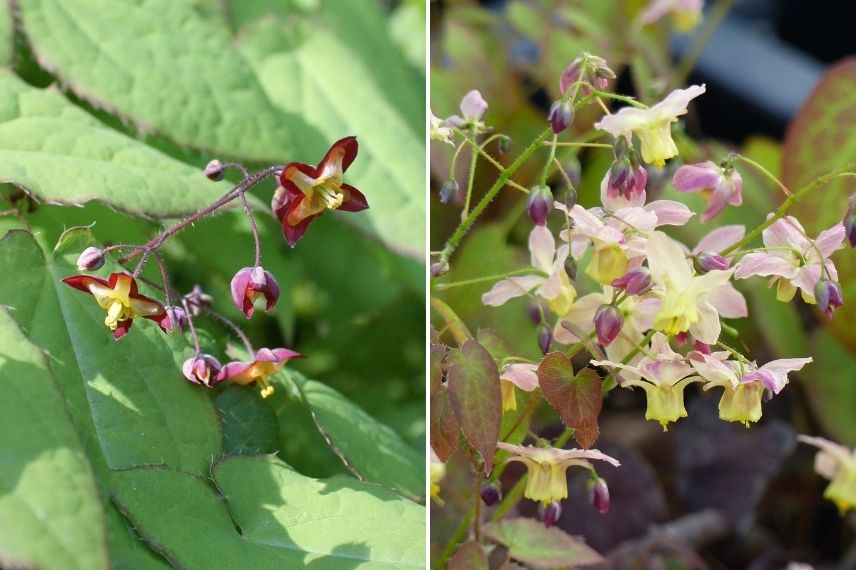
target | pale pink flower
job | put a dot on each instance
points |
(838, 464)
(725, 186)
(473, 106)
(792, 260)
(521, 375)
(653, 126)
(727, 300)
(685, 13)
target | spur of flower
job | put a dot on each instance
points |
(653, 126)
(838, 464)
(305, 191)
(547, 481)
(550, 281)
(664, 375)
(519, 374)
(792, 260)
(744, 383)
(721, 185)
(120, 298)
(264, 364)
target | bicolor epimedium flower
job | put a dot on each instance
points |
(685, 14)
(743, 383)
(251, 282)
(664, 375)
(792, 260)
(305, 192)
(719, 185)
(521, 375)
(653, 126)
(685, 297)
(438, 131)
(550, 281)
(473, 106)
(547, 481)
(838, 464)
(264, 364)
(118, 295)
(202, 369)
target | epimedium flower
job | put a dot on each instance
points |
(685, 14)
(473, 106)
(251, 282)
(721, 186)
(305, 191)
(664, 375)
(118, 295)
(438, 131)
(653, 126)
(519, 374)
(792, 260)
(547, 481)
(550, 282)
(264, 364)
(685, 297)
(202, 369)
(743, 383)
(838, 464)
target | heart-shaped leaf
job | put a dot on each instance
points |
(530, 542)
(577, 398)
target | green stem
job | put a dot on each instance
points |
(456, 326)
(527, 271)
(617, 97)
(474, 156)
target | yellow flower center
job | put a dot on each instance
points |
(656, 142)
(609, 262)
(331, 194)
(509, 399)
(842, 489)
(741, 404)
(665, 404)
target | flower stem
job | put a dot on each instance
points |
(526, 271)
(474, 157)
(253, 227)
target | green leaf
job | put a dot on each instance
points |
(374, 450)
(476, 398)
(820, 139)
(469, 556)
(249, 424)
(59, 154)
(7, 36)
(315, 75)
(335, 523)
(577, 398)
(530, 542)
(158, 64)
(50, 512)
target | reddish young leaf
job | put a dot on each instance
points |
(476, 398)
(578, 399)
(444, 425)
(469, 556)
(537, 546)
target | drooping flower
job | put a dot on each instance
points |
(491, 494)
(663, 374)
(175, 319)
(251, 282)
(793, 261)
(521, 375)
(685, 297)
(744, 383)
(547, 481)
(634, 282)
(305, 191)
(473, 106)
(599, 495)
(608, 320)
(727, 300)
(551, 283)
(828, 296)
(438, 131)
(588, 68)
(653, 126)
(685, 13)
(838, 464)
(202, 369)
(118, 295)
(265, 364)
(720, 186)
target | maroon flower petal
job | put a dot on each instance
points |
(81, 282)
(239, 285)
(348, 145)
(271, 290)
(122, 328)
(293, 233)
(355, 201)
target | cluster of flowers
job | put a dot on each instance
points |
(303, 194)
(655, 319)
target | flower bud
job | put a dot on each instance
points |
(534, 311)
(571, 267)
(599, 495)
(448, 191)
(505, 144)
(539, 204)
(545, 338)
(619, 147)
(490, 494)
(709, 261)
(850, 221)
(249, 283)
(438, 269)
(633, 157)
(573, 170)
(608, 320)
(215, 170)
(175, 318)
(90, 259)
(202, 369)
(828, 296)
(634, 282)
(619, 176)
(198, 300)
(550, 513)
(561, 115)
(570, 198)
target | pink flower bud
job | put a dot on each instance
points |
(619, 147)
(828, 296)
(599, 495)
(619, 176)
(634, 282)
(539, 204)
(490, 494)
(202, 369)
(438, 269)
(215, 170)
(545, 338)
(550, 513)
(850, 221)
(174, 318)
(561, 115)
(91, 259)
(608, 321)
(249, 283)
(709, 261)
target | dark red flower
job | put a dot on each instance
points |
(306, 191)
(249, 283)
